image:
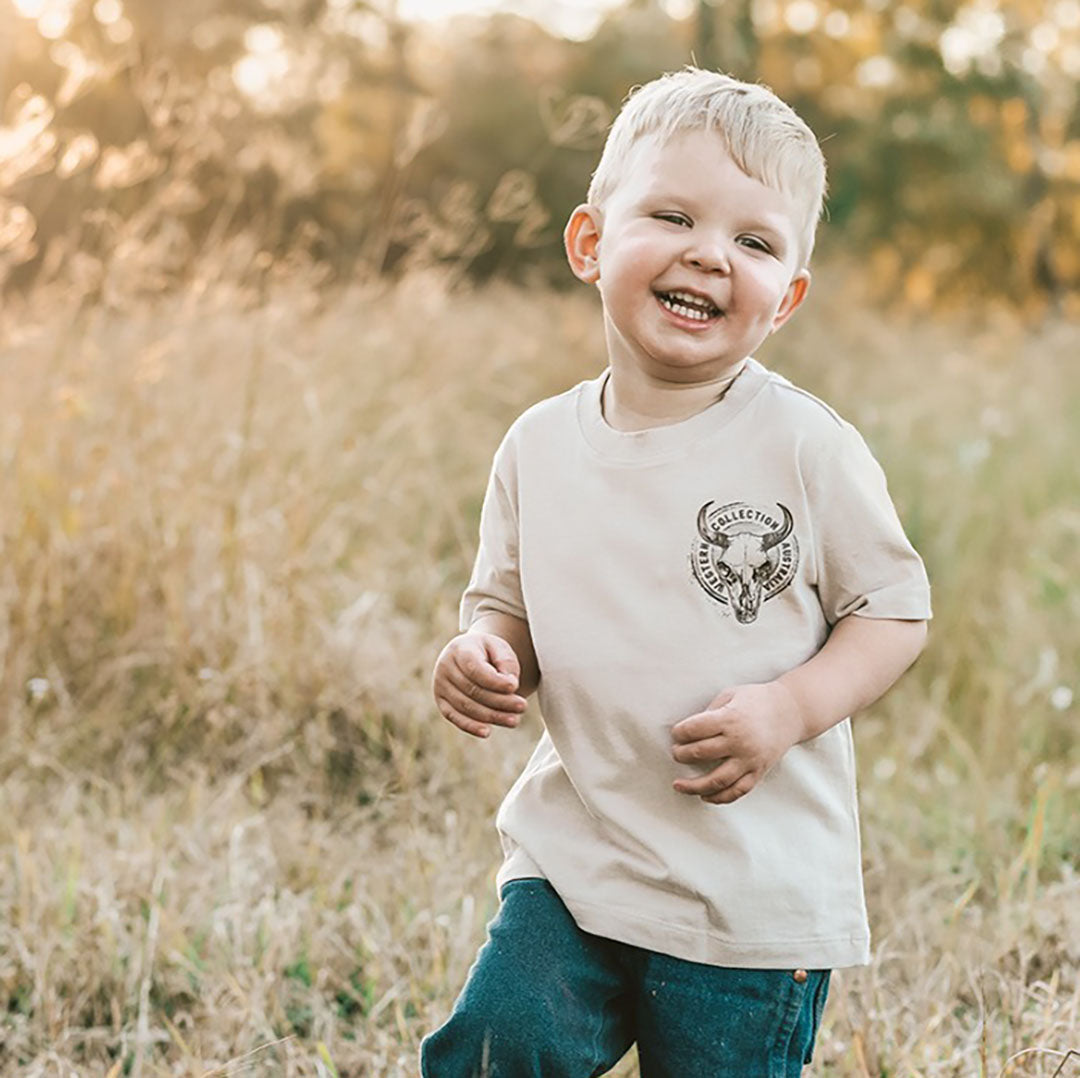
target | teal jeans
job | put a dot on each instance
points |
(546, 1000)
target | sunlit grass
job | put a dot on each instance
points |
(234, 530)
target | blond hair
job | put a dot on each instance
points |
(765, 137)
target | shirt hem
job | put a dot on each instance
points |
(713, 950)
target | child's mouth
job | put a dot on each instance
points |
(687, 305)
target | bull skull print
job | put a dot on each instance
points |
(745, 555)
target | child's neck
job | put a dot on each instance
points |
(634, 402)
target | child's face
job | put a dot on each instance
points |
(697, 262)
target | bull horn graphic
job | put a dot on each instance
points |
(711, 535)
(772, 539)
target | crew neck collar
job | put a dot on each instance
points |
(656, 444)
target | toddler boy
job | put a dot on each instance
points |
(699, 568)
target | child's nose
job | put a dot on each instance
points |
(709, 255)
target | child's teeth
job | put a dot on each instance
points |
(671, 302)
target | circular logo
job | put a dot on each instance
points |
(744, 555)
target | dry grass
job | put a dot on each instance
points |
(236, 838)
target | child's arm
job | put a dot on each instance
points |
(482, 677)
(747, 728)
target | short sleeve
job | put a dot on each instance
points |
(865, 563)
(495, 585)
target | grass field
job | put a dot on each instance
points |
(237, 839)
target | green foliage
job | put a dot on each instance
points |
(300, 970)
(339, 136)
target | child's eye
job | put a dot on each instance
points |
(673, 218)
(754, 243)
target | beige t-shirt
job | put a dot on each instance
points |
(655, 569)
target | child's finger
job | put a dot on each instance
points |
(477, 712)
(696, 727)
(503, 657)
(739, 788)
(482, 673)
(715, 782)
(721, 699)
(685, 730)
(708, 749)
(499, 700)
(463, 722)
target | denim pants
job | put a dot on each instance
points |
(546, 1000)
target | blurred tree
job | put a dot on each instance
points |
(335, 129)
(726, 39)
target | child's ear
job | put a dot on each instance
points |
(793, 297)
(582, 240)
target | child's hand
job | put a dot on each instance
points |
(475, 683)
(745, 730)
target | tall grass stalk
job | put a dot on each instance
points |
(236, 837)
